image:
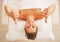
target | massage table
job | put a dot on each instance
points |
(16, 31)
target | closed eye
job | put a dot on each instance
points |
(33, 26)
(27, 26)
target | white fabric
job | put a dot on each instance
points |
(22, 4)
(45, 29)
(16, 31)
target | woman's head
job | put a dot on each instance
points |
(31, 28)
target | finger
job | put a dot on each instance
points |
(45, 11)
(13, 15)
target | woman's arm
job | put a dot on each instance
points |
(10, 12)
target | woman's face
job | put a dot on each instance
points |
(30, 25)
(31, 29)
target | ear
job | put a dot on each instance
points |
(51, 9)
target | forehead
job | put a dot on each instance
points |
(31, 30)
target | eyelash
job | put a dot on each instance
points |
(33, 26)
(27, 26)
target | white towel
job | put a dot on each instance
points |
(22, 4)
(45, 29)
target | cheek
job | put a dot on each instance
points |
(27, 25)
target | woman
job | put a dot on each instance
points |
(32, 4)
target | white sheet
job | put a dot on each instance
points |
(45, 30)
(17, 31)
(20, 4)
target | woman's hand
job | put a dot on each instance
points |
(11, 12)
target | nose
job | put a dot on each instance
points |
(30, 23)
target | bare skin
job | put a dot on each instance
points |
(30, 16)
(35, 12)
(11, 13)
(30, 25)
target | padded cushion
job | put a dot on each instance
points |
(16, 31)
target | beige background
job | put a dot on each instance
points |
(4, 29)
